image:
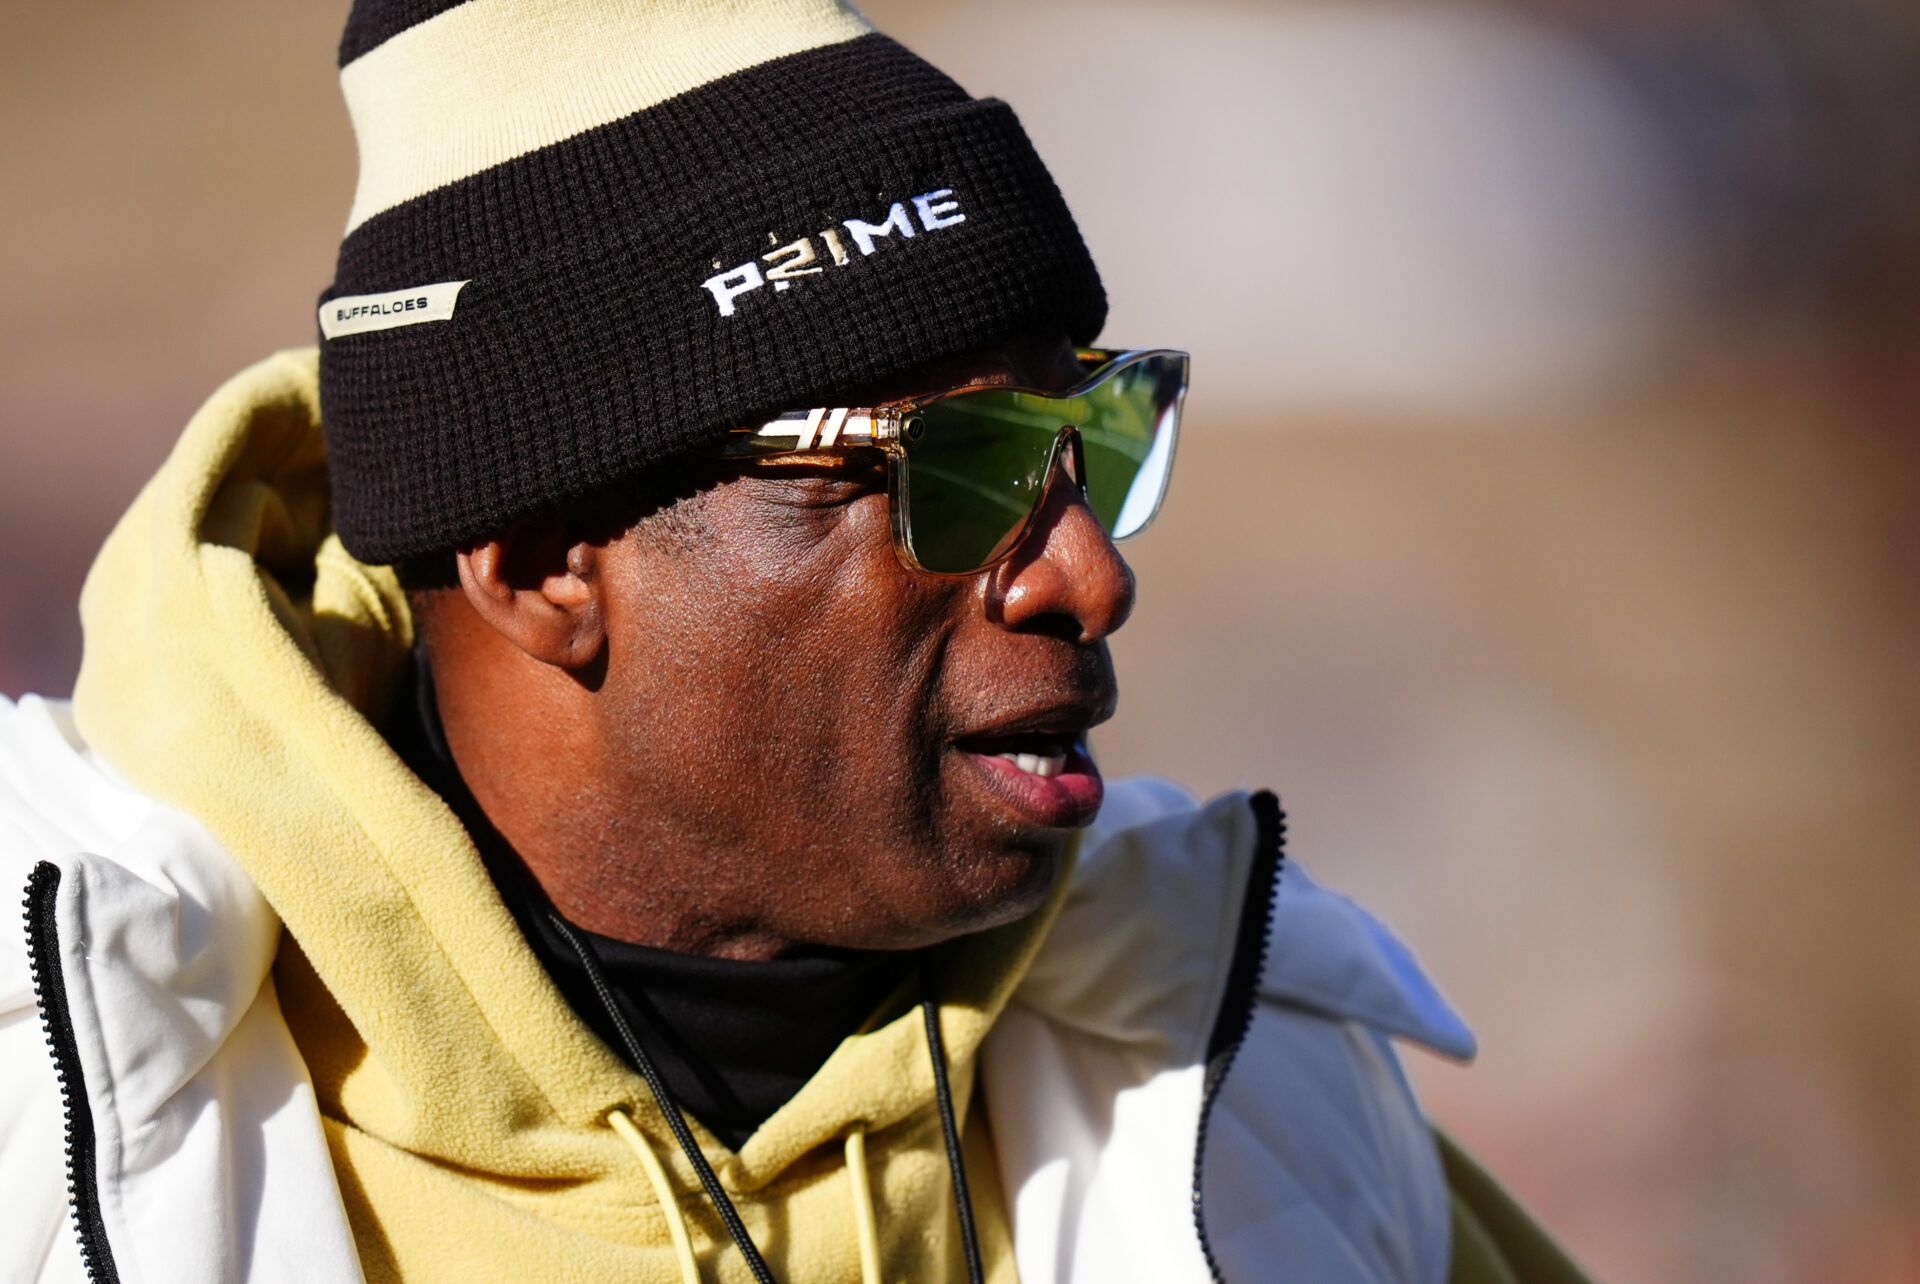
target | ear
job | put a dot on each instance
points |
(541, 590)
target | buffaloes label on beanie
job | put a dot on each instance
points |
(359, 313)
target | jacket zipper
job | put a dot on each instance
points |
(1242, 989)
(49, 988)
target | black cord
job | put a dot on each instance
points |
(950, 1131)
(668, 1107)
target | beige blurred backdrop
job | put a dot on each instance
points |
(1544, 531)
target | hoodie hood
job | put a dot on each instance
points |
(237, 664)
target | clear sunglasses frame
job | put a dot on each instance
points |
(832, 434)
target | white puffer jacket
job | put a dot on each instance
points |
(1193, 1082)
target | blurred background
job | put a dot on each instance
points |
(1545, 530)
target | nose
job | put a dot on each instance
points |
(1066, 577)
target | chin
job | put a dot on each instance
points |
(1005, 887)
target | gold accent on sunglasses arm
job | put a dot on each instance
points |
(822, 428)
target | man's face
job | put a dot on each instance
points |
(839, 737)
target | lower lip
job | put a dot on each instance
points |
(1066, 801)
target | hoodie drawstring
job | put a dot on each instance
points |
(622, 1123)
(864, 1222)
(856, 1142)
(669, 1108)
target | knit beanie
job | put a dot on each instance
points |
(590, 235)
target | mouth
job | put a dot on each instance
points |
(1043, 775)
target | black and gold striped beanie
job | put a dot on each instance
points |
(590, 234)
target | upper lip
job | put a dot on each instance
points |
(1068, 718)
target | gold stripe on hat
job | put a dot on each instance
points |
(489, 80)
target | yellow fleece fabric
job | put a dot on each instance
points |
(235, 659)
(1495, 1240)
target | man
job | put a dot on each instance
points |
(678, 867)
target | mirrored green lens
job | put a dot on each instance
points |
(976, 465)
(1127, 426)
(977, 461)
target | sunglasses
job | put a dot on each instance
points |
(968, 470)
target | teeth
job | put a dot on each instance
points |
(1037, 764)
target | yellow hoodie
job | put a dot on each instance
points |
(237, 663)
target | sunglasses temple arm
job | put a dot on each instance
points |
(824, 428)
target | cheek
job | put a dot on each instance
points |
(794, 641)
(822, 593)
